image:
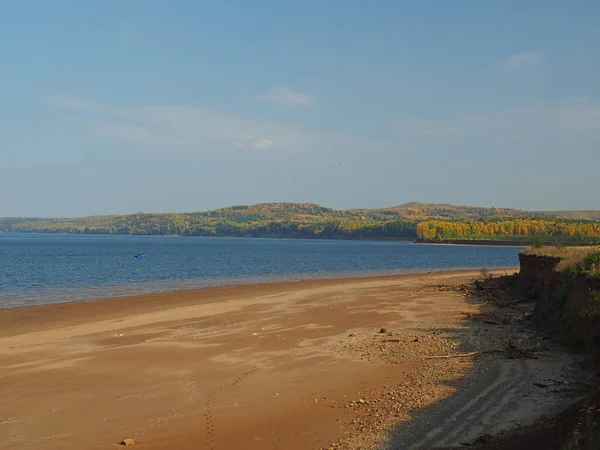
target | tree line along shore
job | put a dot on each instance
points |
(415, 221)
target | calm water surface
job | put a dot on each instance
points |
(37, 269)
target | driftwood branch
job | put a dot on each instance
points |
(465, 355)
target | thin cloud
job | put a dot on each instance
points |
(457, 127)
(579, 117)
(285, 95)
(170, 126)
(521, 61)
(69, 102)
(133, 133)
(261, 144)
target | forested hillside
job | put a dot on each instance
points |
(411, 220)
(511, 228)
(274, 220)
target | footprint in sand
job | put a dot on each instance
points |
(210, 406)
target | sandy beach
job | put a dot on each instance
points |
(312, 364)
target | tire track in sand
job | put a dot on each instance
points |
(487, 400)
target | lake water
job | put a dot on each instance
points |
(38, 268)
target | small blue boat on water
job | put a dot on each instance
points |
(140, 255)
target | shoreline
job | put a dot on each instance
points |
(410, 239)
(499, 242)
(25, 318)
(241, 284)
(404, 239)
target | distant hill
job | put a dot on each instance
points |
(584, 214)
(287, 219)
(413, 211)
(409, 211)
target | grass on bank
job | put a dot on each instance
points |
(584, 260)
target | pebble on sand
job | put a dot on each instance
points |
(127, 442)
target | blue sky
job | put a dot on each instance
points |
(141, 105)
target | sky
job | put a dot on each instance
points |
(124, 106)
